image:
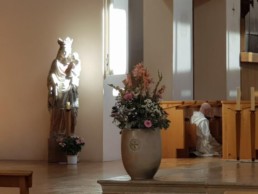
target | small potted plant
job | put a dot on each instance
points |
(71, 146)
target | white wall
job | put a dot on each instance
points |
(28, 44)
(182, 50)
(233, 47)
(135, 33)
(216, 49)
(210, 50)
(111, 133)
(157, 40)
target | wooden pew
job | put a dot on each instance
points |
(16, 178)
(229, 146)
(180, 138)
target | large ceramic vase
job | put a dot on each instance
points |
(141, 152)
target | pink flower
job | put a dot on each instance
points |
(146, 81)
(138, 70)
(128, 96)
(128, 81)
(147, 123)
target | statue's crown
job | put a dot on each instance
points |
(66, 42)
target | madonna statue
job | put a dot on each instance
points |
(62, 83)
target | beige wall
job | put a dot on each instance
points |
(135, 54)
(210, 49)
(28, 35)
(157, 40)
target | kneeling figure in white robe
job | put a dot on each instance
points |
(206, 144)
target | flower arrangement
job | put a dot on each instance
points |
(137, 106)
(71, 145)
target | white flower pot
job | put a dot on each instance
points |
(72, 159)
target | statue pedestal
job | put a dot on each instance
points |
(55, 154)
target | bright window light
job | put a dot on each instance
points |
(115, 92)
(183, 43)
(118, 41)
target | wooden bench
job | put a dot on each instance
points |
(180, 138)
(16, 178)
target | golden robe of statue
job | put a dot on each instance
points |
(63, 82)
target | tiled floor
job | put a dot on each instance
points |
(82, 178)
(64, 179)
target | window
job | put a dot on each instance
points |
(116, 37)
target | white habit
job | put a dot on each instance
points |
(206, 144)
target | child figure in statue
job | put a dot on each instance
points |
(63, 82)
